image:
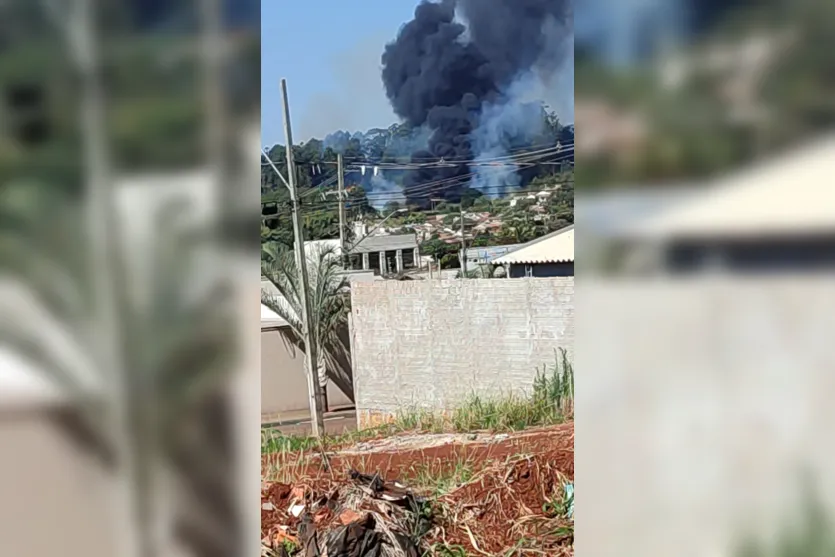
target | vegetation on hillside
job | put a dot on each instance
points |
(376, 193)
(716, 118)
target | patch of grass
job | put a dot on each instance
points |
(419, 419)
(291, 548)
(553, 389)
(809, 533)
(551, 402)
(273, 441)
(440, 476)
(560, 504)
(443, 550)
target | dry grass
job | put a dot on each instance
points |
(551, 402)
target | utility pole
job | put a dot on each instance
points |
(317, 421)
(463, 244)
(340, 169)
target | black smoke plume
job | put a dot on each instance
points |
(457, 58)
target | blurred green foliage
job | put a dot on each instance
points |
(715, 118)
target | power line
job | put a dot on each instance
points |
(328, 209)
(478, 161)
(442, 162)
(419, 192)
(430, 188)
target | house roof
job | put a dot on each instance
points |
(269, 318)
(25, 382)
(556, 247)
(385, 243)
(790, 194)
(616, 212)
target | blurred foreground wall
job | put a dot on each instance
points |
(699, 403)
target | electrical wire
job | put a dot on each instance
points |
(433, 187)
(441, 162)
(422, 191)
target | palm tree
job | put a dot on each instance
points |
(329, 303)
(175, 329)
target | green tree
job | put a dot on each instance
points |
(518, 231)
(438, 249)
(469, 196)
(172, 344)
(450, 261)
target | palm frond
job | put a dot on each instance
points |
(329, 302)
(30, 327)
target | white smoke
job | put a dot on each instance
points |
(550, 81)
(384, 191)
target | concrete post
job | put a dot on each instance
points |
(416, 259)
(382, 263)
(364, 261)
(399, 259)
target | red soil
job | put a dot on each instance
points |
(402, 464)
(513, 480)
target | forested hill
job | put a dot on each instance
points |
(380, 161)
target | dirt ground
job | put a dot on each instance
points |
(395, 457)
(503, 503)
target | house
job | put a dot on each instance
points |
(549, 256)
(776, 216)
(387, 254)
(283, 377)
(609, 216)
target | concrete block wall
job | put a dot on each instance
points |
(433, 343)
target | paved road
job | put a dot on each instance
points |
(336, 423)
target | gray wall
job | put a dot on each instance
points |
(283, 380)
(699, 404)
(432, 343)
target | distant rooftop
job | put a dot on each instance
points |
(386, 243)
(556, 247)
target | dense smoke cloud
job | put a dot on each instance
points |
(456, 68)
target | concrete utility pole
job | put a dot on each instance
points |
(463, 245)
(340, 169)
(315, 393)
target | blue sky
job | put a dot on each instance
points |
(329, 52)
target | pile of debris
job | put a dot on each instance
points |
(362, 517)
(365, 516)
